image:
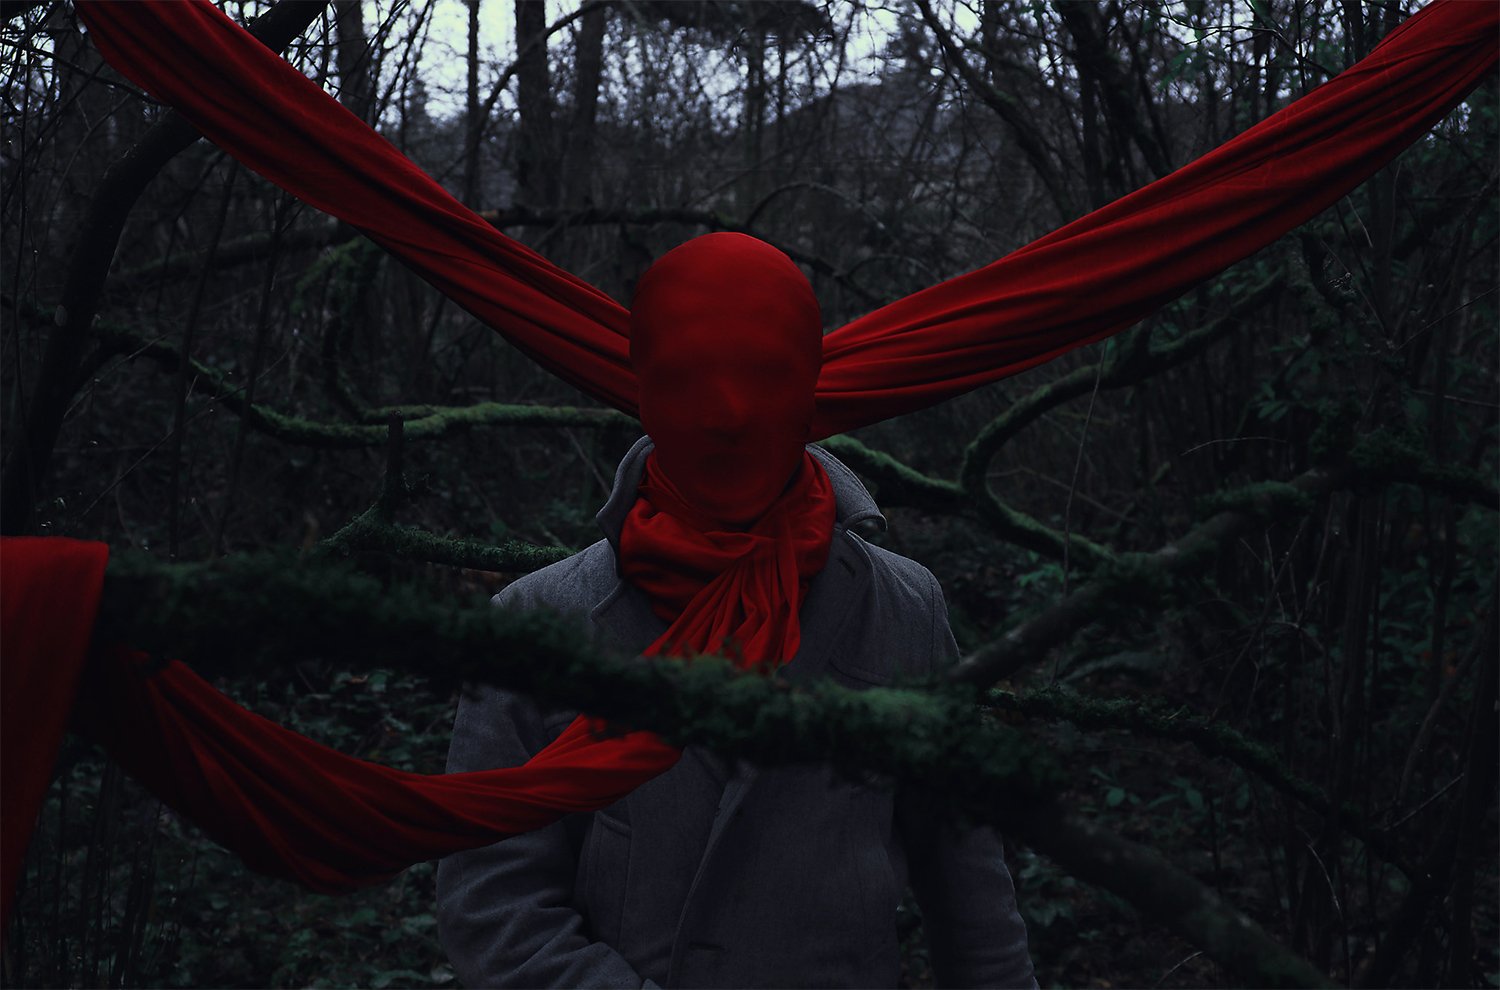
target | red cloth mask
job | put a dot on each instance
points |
(734, 517)
(726, 341)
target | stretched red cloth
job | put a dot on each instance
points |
(292, 807)
(49, 594)
(289, 806)
(1089, 279)
(1092, 278)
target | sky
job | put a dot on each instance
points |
(444, 62)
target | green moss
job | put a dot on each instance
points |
(1264, 500)
(268, 611)
(368, 531)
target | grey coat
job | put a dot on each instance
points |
(716, 875)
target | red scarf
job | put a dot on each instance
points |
(728, 590)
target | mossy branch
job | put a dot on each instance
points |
(1140, 578)
(1165, 894)
(899, 483)
(436, 422)
(258, 612)
(368, 532)
(1384, 456)
(264, 611)
(903, 485)
(1214, 738)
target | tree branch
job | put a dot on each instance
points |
(1139, 578)
(592, 216)
(1164, 893)
(903, 485)
(98, 237)
(1083, 22)
(369, 532)
(241, 251)
(1385, 457)
(428, 422)
(1028, 138)
(219, 614)
(1133, 367)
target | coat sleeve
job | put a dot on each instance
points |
(958, 874)
(505, 911)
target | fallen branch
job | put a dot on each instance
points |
(221, 616)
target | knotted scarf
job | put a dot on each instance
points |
(728, 591)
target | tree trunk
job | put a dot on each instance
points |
(536, 174)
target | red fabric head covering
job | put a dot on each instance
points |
(734, 516)
(726, 340)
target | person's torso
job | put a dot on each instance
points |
(718, 874)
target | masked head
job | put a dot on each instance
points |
(726, 342)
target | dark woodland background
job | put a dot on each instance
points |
(1303, 720)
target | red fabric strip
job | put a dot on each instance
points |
(289, 806)
(1105, 272)
(49, 595)
(253, 104)
(1092, 278)
(294, 808)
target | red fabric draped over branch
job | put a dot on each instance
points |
(289, 805)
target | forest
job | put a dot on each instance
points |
(1224, 584)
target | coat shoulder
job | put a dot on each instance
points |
(901, 579)
(577, 583)
(900, 632)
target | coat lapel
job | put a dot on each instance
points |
(830, 601)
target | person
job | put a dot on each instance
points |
(726, 532)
